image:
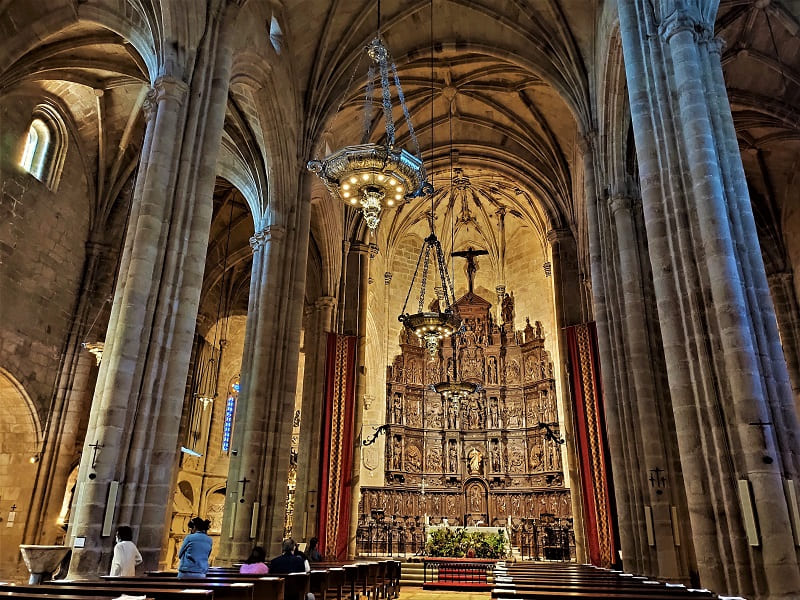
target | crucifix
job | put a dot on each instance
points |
(95, 449)
(472, 266)
(244, 481)
(656, 479)
(763, 425)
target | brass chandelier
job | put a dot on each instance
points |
(376, 176)
(440, 322)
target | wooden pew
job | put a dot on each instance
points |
(36, 596)
(106, 591)
(264, 587)
(569, 595)
(222, 590)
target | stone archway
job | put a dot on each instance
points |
(20, 445)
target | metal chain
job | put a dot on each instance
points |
(387, 101)
(368, 107)
(405, 112)
(413, 279)
(424, 281)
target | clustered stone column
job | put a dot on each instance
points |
(138, 399)
(255, 509)
(306, 505)
(787, 311)
(733, 409)
(566, 283)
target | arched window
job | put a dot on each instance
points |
(230, 413)
(36, 147)
(45, 146)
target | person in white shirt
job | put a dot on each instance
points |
(126, 554)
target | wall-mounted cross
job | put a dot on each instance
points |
(244, 481)
(656, 479)
(95, 449)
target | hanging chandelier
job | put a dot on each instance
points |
(376, 176)
(452, 389)
(432, 326)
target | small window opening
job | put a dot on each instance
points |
(34, 156)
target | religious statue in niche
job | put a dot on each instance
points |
(473, 413)
(497, 462)
(475, 462)
(452, 415)
(472, 363)
(452, 457)
(433, 416)
(434, 462)
(491, 371)
(397, 408)
(436, 504)
(501, 504)
(516, 458)
(537, 454)
(511, 413)
(512, 372)
(413, 459)
(413, 413)
(494, 413)
(413, 372)
(432, 372)
(507, 311)
(475, 499)
(397, 453)
(538, 330)
(530, 368)
(451, 506)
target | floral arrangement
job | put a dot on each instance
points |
(460, 543)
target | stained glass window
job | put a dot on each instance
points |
(230, 412)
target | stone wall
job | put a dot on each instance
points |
(42, 237)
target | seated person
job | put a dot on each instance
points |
(288, 562)
(313, 552)
(255, 564)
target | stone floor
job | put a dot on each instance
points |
(409, 592)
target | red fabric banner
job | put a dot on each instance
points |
(337, 446)
(587, 397)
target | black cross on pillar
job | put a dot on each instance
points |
(95, 449)
(244, 481)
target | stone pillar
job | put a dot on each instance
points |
(255, 509)
(787, 312)
(360, 256)
(566, 280)
(649, 425)
(138, 399)
(306, 507)
(729, 391)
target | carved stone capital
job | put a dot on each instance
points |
(387, 277)
(170, 88)
(325, 302)
(682, 20)
(618, 203)
(269, 233)
(587, 141)
(373, 250)
(149, 104)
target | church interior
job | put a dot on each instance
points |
(358, 270)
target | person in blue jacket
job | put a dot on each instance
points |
(195, 550)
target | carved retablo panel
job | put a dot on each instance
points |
(490, 457)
